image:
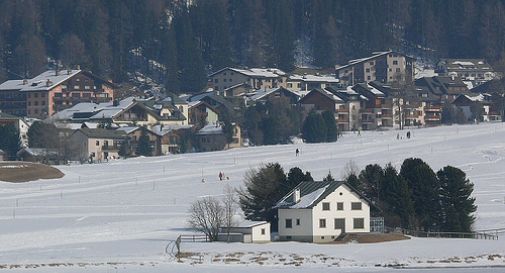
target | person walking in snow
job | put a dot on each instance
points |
(220, 176)
(297, 152)
(408, 134)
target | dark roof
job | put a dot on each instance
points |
(102, 133)
(314, 192)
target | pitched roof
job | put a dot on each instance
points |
(102, 133)
(313, 192)
(254, 72)
(314, 78)
(259, 94)
(375, 55)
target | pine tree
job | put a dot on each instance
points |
(144, 146)
(295, 177)
(328, 177)
(314, 128)
(425, 192)
(354, 182)
(263, 189)
(371, 178)
(397, 197)
(10, 142)
(457, 204)
(331, 126)
(192, 70)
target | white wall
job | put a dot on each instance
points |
(305, 227)
(309, 218)
(347, 198)
(257, 237)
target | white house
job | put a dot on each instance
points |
(321, 211)
(247, 232)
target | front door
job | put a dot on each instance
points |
(340, 224)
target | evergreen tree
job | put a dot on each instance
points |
(295, 177)
(331, 126)
(354, 182)
(457, 204)
(397, 197)
(425, 192)
(371, 178)
(144, 146)
(10, 142)
(314, 128)
(43, 135)
(263, 189)
(192, 70)
(328, 177)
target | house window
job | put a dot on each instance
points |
(395, 62)
(326, 206)
(322, 223)
(298, 221)
(368, 70)
(289, 223)
(359, 223)
(398, 70)
(371, 63)
(262, 231)
(98, 143)
(36, 103)
(36, 95)
(356, 206)
(368, 78)
(340, 206)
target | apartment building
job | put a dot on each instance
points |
(52, 91)
(257, 78)
(386, 67)
(476, 71)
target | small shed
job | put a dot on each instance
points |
(247, 232)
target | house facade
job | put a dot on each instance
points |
(305, 83)
(257, 78)
(322, 211)
(95, 145)
(21, 125)
(55, 90)
(246, 231)
(477, 71)
(385, 67)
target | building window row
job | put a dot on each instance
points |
(340, 206)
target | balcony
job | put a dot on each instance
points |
(110, 148)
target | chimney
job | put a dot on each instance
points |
(115, 102)
(69, 71)
(78, 67)
(296, 195)
(25, 81)
(49, 82)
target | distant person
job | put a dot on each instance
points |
(408, 134)
(220, 176)
(398, 136)
(297, 152)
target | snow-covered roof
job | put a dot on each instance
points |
(463, 63)
(128, 129)
(248, 223)
(165, 129)
(314, 78)
(356, 61)
(100, 110)
(43, 82)
(308, 199)
(259, 94)
(311, 193)
(211, 129)
(255, 72)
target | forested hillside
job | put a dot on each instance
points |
(188, 39)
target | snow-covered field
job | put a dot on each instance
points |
(119, 216)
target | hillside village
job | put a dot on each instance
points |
(381, 91)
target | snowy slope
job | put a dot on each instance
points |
(126, 211)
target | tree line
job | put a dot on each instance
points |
(414, 198)
(190, 40)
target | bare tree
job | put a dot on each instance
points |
(350, 168)
(230, 207)
(207, 215)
